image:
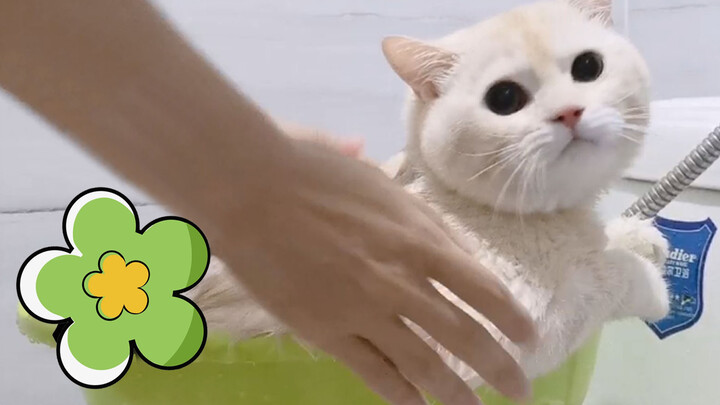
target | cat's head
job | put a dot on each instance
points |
(534, 110)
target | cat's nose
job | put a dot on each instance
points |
(569, 116)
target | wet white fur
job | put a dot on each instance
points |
(523, 190)
(530, 216)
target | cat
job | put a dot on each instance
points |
(515, 127)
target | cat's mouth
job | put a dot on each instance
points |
(576, 140)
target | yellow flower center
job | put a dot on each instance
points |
(118, 286)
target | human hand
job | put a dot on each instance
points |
(330, 245)
(341, 255)
(348, 147)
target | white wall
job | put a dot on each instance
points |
(318, 61)
(312, 61)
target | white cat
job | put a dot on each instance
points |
(516, 125)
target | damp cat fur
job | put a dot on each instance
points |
(515, 127)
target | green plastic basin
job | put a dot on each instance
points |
(277, 370)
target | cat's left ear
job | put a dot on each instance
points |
(600, 10)
(423, 67)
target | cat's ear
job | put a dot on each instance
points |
(421, 66)
(600, 10)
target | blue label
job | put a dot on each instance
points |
(684, 271)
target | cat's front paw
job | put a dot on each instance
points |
(657, 305)
(640, 237)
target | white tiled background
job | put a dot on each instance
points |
(312, 61)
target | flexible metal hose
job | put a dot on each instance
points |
(665, 190)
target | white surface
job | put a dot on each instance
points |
(313, 61)
(319, 62)
(678, 126)
(637, 368)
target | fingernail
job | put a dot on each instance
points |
(519, 387)
(352, 147)
(524, 394)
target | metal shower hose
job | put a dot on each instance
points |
(665, 190)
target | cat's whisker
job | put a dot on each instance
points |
(528, 174)
(635, 129)
(627, 94)
(495, 164)
(509, 181)
(618, 103)
(542, 179)
(639, 121)
(629, 138)
(509, 161)
(494, 152)
(488, 168)
(634, 126)
(636, 115)
(637, 108)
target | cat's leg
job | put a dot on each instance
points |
(228, 308)
(638, 236)
(636, 253)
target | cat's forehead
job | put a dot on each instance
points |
(534, 37)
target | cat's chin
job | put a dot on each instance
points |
(487, 197)
(538, 205)
(565, 185)
(544, 206)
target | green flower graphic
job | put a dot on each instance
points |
(117, 289)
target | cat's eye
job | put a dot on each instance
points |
(587, 67)
(505, 98)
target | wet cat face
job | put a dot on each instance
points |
(534, 110)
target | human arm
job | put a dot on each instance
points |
(329, 245)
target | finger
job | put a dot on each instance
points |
(469, 341)
(484, 292)
(348, 147)
(352, 147)
(420, 364)
(379, 373)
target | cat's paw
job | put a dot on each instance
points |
(657, 303)
(643, 239)
(644, 291)
(640, 237)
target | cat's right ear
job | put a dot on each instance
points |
(421, 66)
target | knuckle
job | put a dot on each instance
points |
(426, 370)
(424, 377)
(414, 365)
(476, 332)
(444, 383)
(502, 367)
(405, 394)
(507, 372)
(495, 356)
(460, 394)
